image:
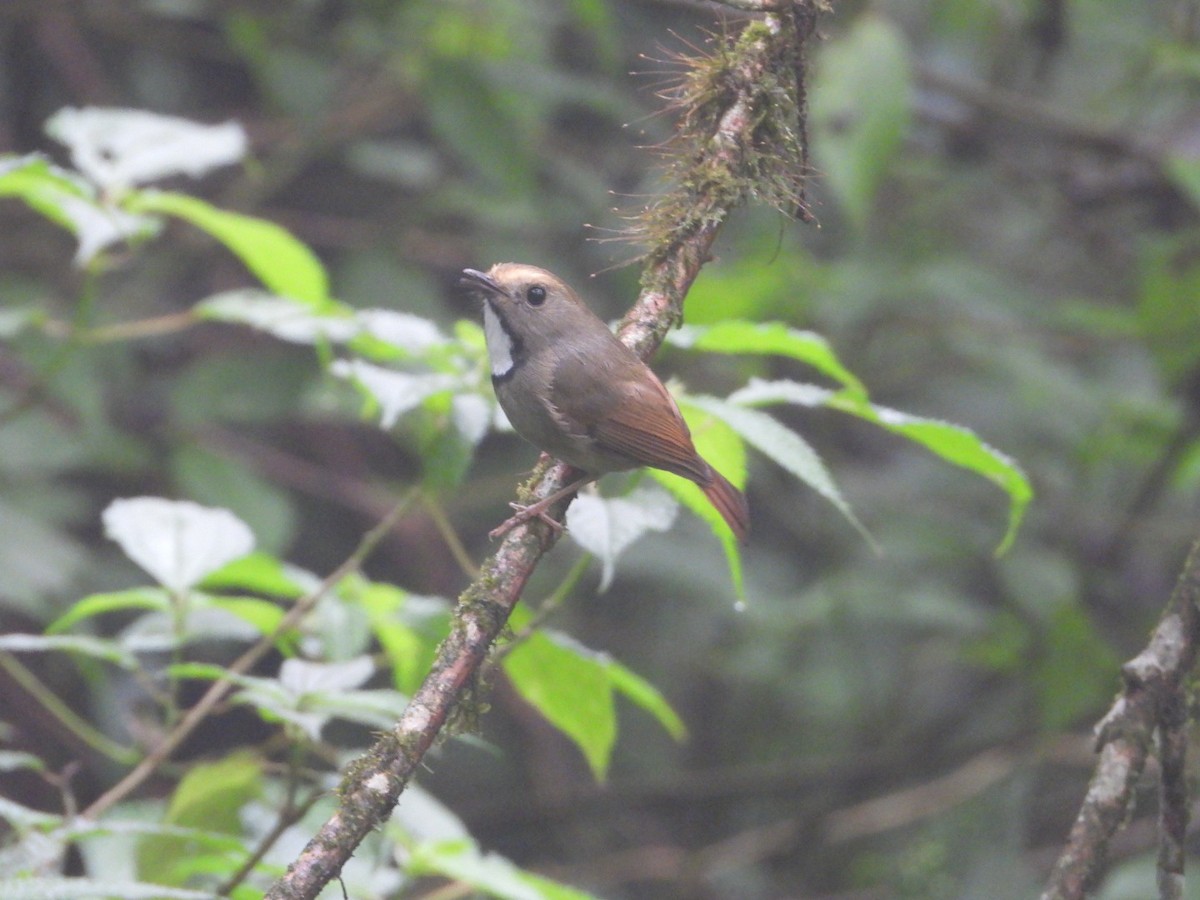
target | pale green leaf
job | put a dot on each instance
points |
(281, 262)
(261, 573)
(98, 604)
(100, 648)
(65, 199)
(176, 541)
(953, 443)
(118, 148)
(641, 692)
(786, 448)
(286, 318)
(569, 685)
(766, 338)
(494, 875)
(606, 527)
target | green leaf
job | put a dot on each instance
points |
(786, 448)
(570, 686)
(262, 614)
(109, 651)
(210, 794)
(721, 445)
(280, 261)
(42, 186)
(953, 443)
(261, 573)
(409, 627)
(176, 541)
(494, 875)
(766, 338)
(860, 105)
(68, 201)
(957, 445)
(13, 760)
(209, 797)
(641, 692)
(287, 318)
(573, 686)
(23, 817)
(607, 526)
(98, 604)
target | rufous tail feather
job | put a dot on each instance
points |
(730, 503)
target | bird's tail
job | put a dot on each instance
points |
(730, 503)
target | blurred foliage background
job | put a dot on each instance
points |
(1006, 194)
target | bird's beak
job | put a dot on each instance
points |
(474, 280)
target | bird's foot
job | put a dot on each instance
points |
(538, 510)
(524, 514)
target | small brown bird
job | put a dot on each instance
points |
(572, 389)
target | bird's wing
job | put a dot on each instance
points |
(626, 410)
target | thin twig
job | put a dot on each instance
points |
(218, 690)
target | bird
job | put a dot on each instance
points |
(572, 389)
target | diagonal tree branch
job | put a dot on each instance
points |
(737, 136)
(1152, 702)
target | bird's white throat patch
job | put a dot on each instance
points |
(499, 343)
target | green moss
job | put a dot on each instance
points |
(739, 135)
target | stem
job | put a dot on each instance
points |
(220, 688)
(97, 740)
(373, 783)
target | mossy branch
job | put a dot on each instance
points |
(740, 135)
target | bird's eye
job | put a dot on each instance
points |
(536, 295)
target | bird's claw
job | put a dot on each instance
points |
(524, 514)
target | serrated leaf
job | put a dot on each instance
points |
(766, 338)
(953, 443)
(282, 263)
(118, 148)
(177, 542)
(569, 685)
(605, 527)
(784, 447)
